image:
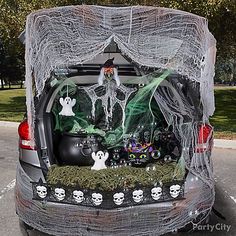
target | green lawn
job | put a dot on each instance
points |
(12, 104)
(12, 108)
(224, 119)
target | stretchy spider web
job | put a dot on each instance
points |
(109, 99)
(151, 37)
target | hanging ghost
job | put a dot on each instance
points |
(67, 105)
(109, 72)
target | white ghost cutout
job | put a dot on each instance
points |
(67, 105)
(100, 157)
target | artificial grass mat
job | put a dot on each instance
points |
(110, 179)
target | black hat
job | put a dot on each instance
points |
(109, 63)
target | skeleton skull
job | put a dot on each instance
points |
(136, 137)
(97, 199)
(126, 138)
(156, 193)
(146, 136)
(138, 195)
(78, 196)
(41, 191)
(118, 198)
(60, 193)
(175, 190)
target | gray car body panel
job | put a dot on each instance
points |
(50, 217)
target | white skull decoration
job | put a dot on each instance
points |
(118, 198)
(126, 138)
(41, 191)
(60, 193)
(138, 195)
(156, 193)
(78, 196)
(175, 190)
(97, 199)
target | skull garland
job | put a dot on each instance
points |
(78, 196)
(138, 196)
(175, 190)
(60, 194)
(118, 198)
(97, 199)
(156, 193)
(41, 191)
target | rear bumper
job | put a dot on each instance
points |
(154, 219)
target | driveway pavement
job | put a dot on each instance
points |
(224, 163)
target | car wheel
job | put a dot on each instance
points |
(24, 228)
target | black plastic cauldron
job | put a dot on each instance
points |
(76, 149)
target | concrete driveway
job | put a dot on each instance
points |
(224, 162)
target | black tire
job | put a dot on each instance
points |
(24, 228)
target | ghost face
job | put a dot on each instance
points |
(67, 100)
(138, 195)
(156, 193)
(60, 193)
(118, 198)
(41, 191)
(97, 199)
(78, 196)
(100, 155)
(175, 190)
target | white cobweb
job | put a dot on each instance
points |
(151, 37)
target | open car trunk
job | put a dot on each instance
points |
(135, 125)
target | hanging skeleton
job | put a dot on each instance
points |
(110, 98)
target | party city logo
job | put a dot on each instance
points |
(211, 228)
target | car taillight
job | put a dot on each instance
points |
(204, 138)
(25, 142)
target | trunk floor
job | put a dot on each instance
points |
(110, 179)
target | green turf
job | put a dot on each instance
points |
(12, 104)
(224, 119)
(110, 179)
